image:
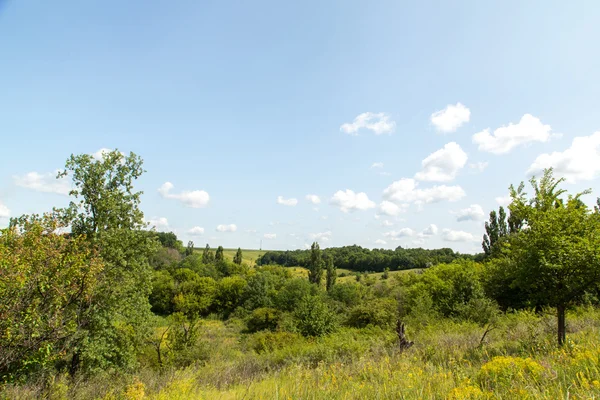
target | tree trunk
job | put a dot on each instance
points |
(562, 326)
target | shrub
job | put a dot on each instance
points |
(293, 291)
(377, 312)
(266, 341)
(313, 317)
(263, 319)
(508, 371)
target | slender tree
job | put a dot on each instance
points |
(189, 250)
(315, 267)
(208, 257)
(237, 259)
(219, 256)
(331, 273)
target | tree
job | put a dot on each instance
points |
(106, 210)
(47, 282)
(219, 256)
(313, 317)
(315, 267)
(556, 259)
(189, 250)
(331, 273)
(237, 259)
(495, 230)
(208, 256)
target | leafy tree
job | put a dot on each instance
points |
(331, 273)
(237, 259)
(47, 282)
(292, 292)
(230, 294)
(208, 256)
(377, 312)
(495, 230)
(163, 290)
(219, 256)
(195, 297)
(169, 239)
(106, 210)
(556, 260)
(261, 290)
(189, 250)
(315, 268)
(313, 317)
(263, 319)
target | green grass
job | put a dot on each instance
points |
(248, 256)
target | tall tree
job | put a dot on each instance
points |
(106, 211)
(237, 259)
(208, 257)
(556, 260)
(315, 266)
(189, 250)
(331, 273)
(219, 256)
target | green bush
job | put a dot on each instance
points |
(263, 319)
(377, 312)
(313, 317)
(266, 341)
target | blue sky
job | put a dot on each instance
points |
(242, 102)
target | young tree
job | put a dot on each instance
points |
(106, 211)
(189, 250)
(315, 267)
(219, 256)
(238, 257)
(208, 256)
(331, 273)
(556, 259)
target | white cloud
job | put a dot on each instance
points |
(387, 223)
(504, 200)
(443, 165)
(4, 211)
(391, 209)
(226, 228)
(161, 224)
(380, 241)
(350, 201)
(193, 199)
(580, 162)
(457, 236)
(405, 191)
(528, 130)
(450, 118)
(270, 236)
(46, 183)
(379, 123)
(287, 202)
(377, 165)
(478, 166)
(404, 232)
(431, 230)
(472, 213)
(321, 236)
(313, 198)
(196, 231)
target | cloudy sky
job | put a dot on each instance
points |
(378, 123)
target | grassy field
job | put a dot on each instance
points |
(249, 256)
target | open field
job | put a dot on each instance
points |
(249, 256)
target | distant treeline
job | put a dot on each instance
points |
(357, 258)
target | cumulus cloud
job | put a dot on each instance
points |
(378, 123)
(478, 166)
(196, 231)
(159, 223)
(286, 202)
(404, 232)
(387, 223)
(46, 183)
(450, 118)
(380, 241)
(391, 209)
(431, 230)
(193, 199)
(406, 191)
(4, 211)
(457, 236)
(313, 198)
(472, 213)
(528, 130)
(377, 165)
(270, 236)
(504, 200)
(580, 162)
(321, 236)
(349, 201)
(226, 228)
(443, 165)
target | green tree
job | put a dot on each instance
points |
(331, 273)
(237, 259)
(219, 256)
(189, 250)
(556, 260)
(315, 267)
(313, 317)
(208, 257)
(105, 208)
